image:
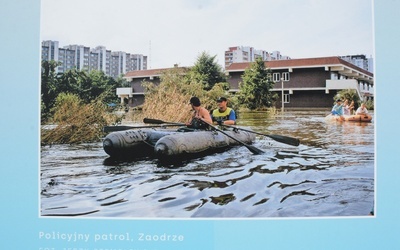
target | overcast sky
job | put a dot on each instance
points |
(177, 31)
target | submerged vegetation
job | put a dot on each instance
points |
(170, 99)
(76, 121)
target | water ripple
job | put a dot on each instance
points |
(330, 174)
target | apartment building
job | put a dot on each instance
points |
(243, 54)
(240, 54)
(360, 61)
(112, 63)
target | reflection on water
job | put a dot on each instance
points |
(331, 173)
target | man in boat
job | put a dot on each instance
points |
(201, 117)
(338, 109)
(223, 114)
(362, 110)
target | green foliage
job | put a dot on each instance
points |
(206, 71)
(48, 86)
(369, 104)
(87, 86)
(255, 88)
(349, 94)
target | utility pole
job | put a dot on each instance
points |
(284, 77)
(150, 54)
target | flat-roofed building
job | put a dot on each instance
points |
(312, 82)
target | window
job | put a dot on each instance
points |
(285, 76)
(276, 77)
(286, 98)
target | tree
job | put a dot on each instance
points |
(207, 71)
(71, 81)
(87, 86)
(48, 85)
(255, 88)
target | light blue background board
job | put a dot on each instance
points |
(19, 147)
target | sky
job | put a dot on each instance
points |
(178, 31)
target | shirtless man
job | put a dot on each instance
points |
(200, 113)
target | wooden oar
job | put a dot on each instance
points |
(279, 138)
(253, 149)
(122, 128)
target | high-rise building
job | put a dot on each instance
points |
(240, 54)
(360, 61)
(84, 58)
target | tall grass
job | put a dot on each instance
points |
(169, 100)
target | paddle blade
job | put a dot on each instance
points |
(153, 121)
(285, 139)
(255, 150)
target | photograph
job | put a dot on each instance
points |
(245, 116)
(183, 124)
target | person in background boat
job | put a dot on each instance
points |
(346, 107)
(223, 114)
(362, 110)
(338, 109)
(351, 107)
(200, 117)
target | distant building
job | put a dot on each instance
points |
(84, 58)
(360, 61)
(241, 54)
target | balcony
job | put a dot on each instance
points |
(349, 84)
(124, 93)
(341, 84)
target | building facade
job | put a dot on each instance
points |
(112, 63)
(310, 82)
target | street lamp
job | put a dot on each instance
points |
(284, 77)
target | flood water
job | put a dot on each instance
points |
(331, 173)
